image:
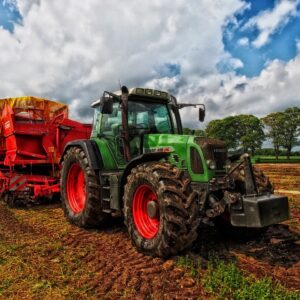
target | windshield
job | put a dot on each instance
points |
(152, 117)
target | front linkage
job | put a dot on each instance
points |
(258, 209)
(249, 206)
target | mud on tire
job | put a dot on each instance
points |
(88, 213)
(177, 205)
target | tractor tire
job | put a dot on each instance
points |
(80, 191)
(222, 222)
(160, 209)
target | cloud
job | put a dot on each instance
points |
(168, 69)
(243, 41)
(228, 63)
(269, 21)
(73, 50)
(275, 89)
(25, 6)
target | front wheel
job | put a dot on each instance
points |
(160, 209)
(80, 190)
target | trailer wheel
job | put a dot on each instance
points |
(10, 200)
(80, 190)
(160, 209)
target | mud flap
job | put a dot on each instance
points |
(260, 211)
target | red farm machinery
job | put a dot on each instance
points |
(33, 134)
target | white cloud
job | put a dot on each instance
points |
(76, 49)
(269, 21)
(275, 89)
(243, 41)
(26, 6)
(228, 63)
(73, 50)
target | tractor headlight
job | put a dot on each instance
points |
(211, 164)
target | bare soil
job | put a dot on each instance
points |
(44, 257)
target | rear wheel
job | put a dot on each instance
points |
(160, 208)
(80, 190)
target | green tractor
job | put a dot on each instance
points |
(139, 165)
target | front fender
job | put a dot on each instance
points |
(91, 150)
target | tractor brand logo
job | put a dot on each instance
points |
(7, 125)
(159, 149)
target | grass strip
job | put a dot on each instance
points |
(224, 280)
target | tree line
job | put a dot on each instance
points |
(249, 132)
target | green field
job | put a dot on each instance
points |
(273, 160)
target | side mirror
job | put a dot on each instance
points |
(107, 106)
(201, 114)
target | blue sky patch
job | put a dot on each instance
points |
(238, 39)
(9, 15)
(168, 70)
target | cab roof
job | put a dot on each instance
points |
(145, 92)
(139, 92)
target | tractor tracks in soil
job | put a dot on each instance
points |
(102, 264)
(44, 257)
(95, 264)
(118, 269)
(275, 253)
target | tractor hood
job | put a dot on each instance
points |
(190, 153)
(175, 144)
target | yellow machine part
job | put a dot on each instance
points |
(38, 108)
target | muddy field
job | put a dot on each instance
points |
(43, 257)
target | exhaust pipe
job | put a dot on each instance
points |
(125, 133)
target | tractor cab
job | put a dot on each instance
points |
(147, 112)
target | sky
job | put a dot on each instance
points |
(235, 56)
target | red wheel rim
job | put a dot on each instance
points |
(76, 188)
(147, 226)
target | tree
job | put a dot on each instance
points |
(274, 122)
(284, 129)
(238, 131)
(197, 132)
(187, 131)
(291, 129)
(251, 133)
(225, 130)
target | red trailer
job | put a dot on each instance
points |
(33, 133)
